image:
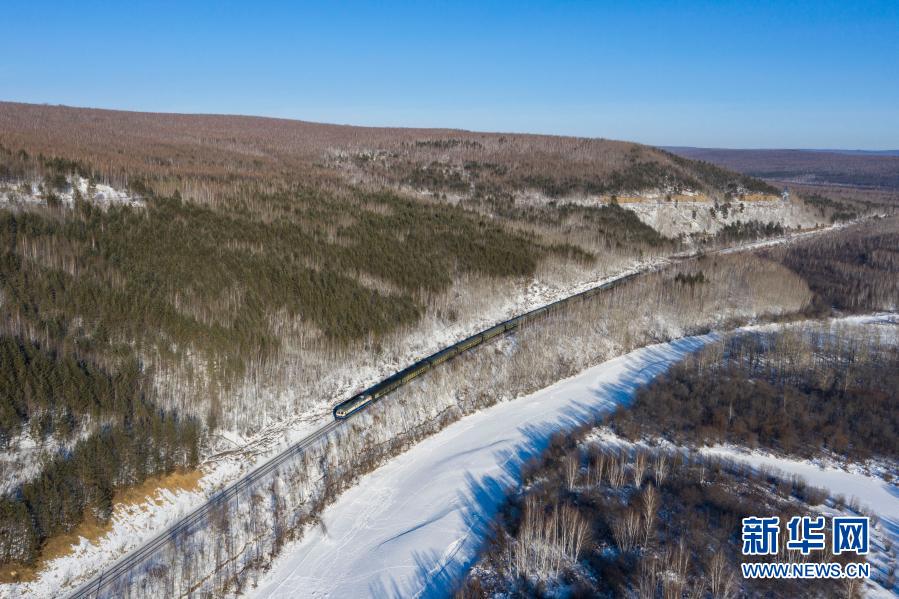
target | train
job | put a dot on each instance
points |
(347, 408)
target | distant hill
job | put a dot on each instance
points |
(218, 149)
(853, 168)
(859, 152)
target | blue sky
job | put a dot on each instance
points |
(728, 74)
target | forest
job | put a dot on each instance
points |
(97, 300)
(591, 519)
(748, 230)
(856, 270)
(190, 275)
(804, 393)
(133, 440)
(232, 552)
(259, 266)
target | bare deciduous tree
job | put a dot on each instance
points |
(650, 501)
(660, 468)
(549, 537)
(572, 469)
(626, 529)
(721, 580)
(639, 470)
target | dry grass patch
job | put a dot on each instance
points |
(149, 490)
(93, 530)
(56, 546)
(759, 197)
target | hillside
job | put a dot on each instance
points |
(167, 149)
(239, 257)
(174, 284)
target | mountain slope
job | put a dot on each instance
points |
(122, 146)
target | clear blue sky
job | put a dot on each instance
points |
(730, 74)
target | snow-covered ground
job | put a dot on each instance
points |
(686, 212)
(870, 491)
(23, 457)
(701, 217)
(414, 525)
(99, 194)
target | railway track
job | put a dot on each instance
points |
(94, 587)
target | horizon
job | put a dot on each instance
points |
(887, 151)
(710, 75)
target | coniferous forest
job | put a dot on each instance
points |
(56, 395)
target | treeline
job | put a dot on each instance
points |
(835, 210)
(610, 226)
(128, 440)
(855, 270)
(799, 394)
(638, 175)
(592, 521)
(51, 172)
(620, 226)
(634, 171)
(747, 231)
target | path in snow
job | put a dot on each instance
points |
(413, 526)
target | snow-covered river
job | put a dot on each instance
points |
(413, 525)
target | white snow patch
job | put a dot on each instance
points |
(99, 194)
(870, 490)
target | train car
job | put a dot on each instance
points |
(470, 342)
(513, 323)
(442, 356)
(493, 332)
(417, 369)
(390, 384)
